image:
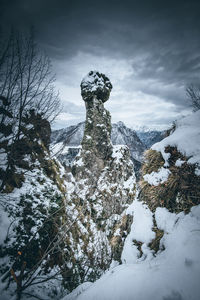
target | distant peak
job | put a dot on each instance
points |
(120, 124)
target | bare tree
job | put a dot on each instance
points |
(193, 94)
(26, 80)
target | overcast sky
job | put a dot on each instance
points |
(148, 49)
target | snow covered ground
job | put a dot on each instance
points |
(171, 275)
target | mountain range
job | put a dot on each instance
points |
(65, 143)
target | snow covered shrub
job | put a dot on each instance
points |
(176, 187)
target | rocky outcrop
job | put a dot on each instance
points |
(99, 161)
(175, 186)
(96, 144)
(171, 176)
(33, 141)
(95, 85)
(95, 90)
(101, 186)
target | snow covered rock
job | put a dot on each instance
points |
(172, 274)
(101, 166)
(96, 139)
(185, 137)
(101, 186)
(171, 176)
(95, 84)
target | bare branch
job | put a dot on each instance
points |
(193, 94)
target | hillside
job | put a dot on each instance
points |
(160, 257)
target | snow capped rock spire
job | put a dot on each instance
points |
(102, 182)
(95, 90)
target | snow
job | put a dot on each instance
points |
(186, 138)
(141, 215)
(100, 125)
(197, 171)
(128, 184)
(4, 225)
(166, 220)
(61, 148)
(79, 162)
(118, 152)
(93, 81)
(156, 178)
(56, 148)
(179, 162)
(81, 288)
(172, 275)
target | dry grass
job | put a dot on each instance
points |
(182, 189)
(155, 243)
(153, 160)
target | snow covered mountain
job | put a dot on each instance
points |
(65, 143)
(70, 136)
(120, 135)
(150, 137)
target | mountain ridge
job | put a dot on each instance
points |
(65, 142)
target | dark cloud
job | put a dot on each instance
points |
(161, 38)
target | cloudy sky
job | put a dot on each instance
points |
(148, 49)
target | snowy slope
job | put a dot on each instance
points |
(23, 215)
(172, 274)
